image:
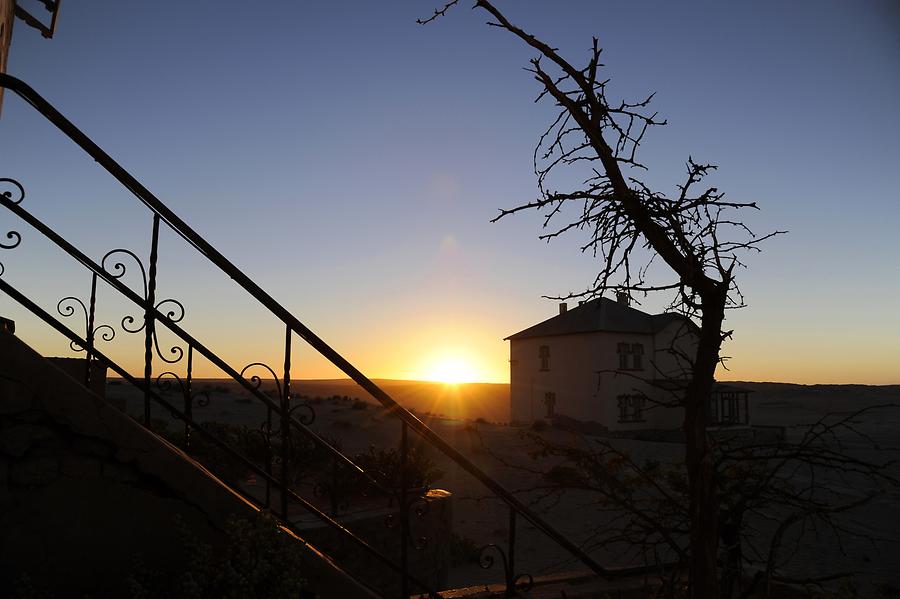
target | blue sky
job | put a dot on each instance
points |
(350, 161)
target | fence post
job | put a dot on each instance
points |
(286, 423)
(149, 322)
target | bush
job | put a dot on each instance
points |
(305, 456)
(384, 466)
(259, 559)
(359, 405)
(463, 550)
(539, 426)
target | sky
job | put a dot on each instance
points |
(350, 160)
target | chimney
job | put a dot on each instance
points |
(622, 298)
(563, 307)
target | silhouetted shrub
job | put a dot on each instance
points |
(305, 456)
(359, 405)
(539, 426)
(258, 560)
(463, 550)
(384, 466)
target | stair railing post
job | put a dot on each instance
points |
(149, 322)
(188, 397)
(89, 350)
(267, 434)
(404, 512)
(286, 423)
(511, 572)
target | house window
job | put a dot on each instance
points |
(637, 355)
(631, 356)
(623, 350)
(550, 402)
(544, 355)
(631, 408)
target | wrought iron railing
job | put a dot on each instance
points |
(299, 424)
(170, 312)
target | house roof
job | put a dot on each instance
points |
(596, 315)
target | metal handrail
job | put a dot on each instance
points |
(34, 99)
(189, 339)
(174, 411)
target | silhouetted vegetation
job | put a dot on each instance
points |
(384, 466)
(539, 426)
(463, 550)
(258, 560)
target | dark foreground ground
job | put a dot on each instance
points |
(870, 547)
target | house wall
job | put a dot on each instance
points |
(571, 377)
(671, 364)
(614, 383)
(584, 374)
(666, 358)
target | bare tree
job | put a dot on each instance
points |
(697, 234)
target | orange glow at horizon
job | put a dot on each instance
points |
(451, 367)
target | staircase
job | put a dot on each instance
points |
(287, 420)
(85, 490)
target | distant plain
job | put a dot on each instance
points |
(472, 417)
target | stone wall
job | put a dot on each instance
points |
(77, 367)
(85, 490)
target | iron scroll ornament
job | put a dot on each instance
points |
(419, 506)
(256, 382)
(15, 196)
(164, 382)
(67, 308)
(172, 309)
(522, 582)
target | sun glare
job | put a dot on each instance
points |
(451, 370)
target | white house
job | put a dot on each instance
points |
(606, 362)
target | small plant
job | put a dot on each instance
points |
(463, 550)
(25, 588)
(259, 559)
(359, 405)
(539, 426)
(384, 466)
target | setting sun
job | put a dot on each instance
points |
(451, 369)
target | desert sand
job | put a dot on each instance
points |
(473, 419)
